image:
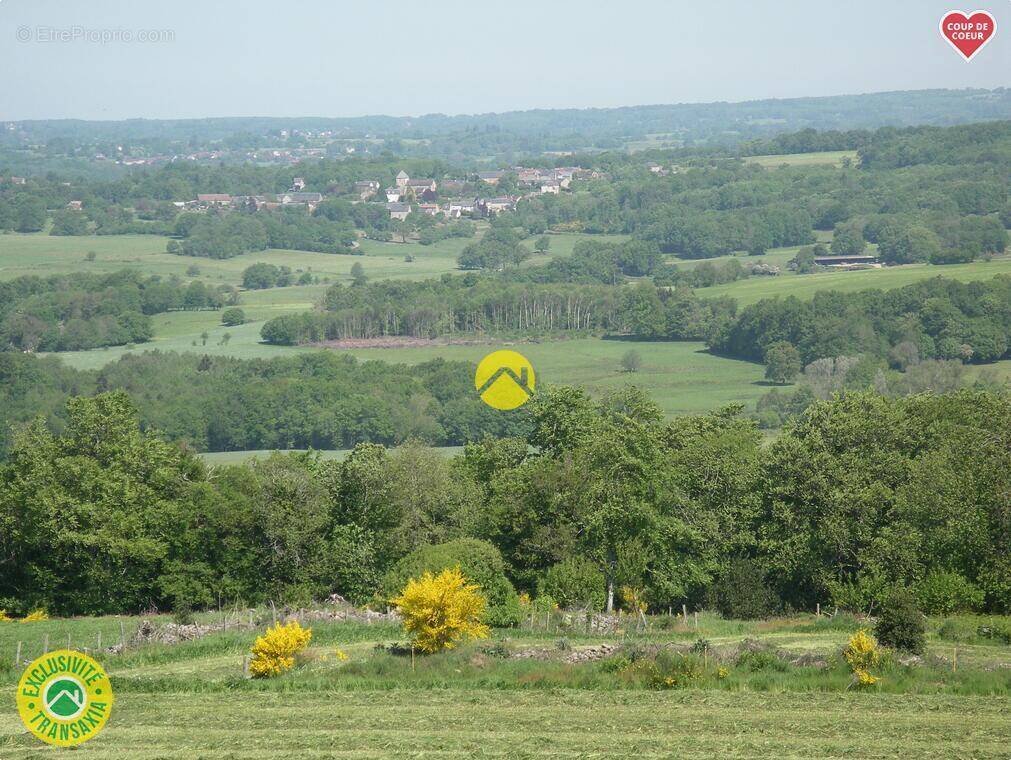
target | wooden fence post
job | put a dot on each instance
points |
(273, 611)
(818, 610)
(99, 647)
(696, 620)
(245, 666)
(45, 644)
(122, 634)
(68, 641)
(684, 613)
(17, 659)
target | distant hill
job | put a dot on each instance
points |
(684, 124)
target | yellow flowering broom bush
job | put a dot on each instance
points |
(862, 654)
(274, 652)
(440, 610)
(5, 618)
(36, 616)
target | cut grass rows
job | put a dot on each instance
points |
(515, 724)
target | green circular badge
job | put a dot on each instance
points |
(64, 698)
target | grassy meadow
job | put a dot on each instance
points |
(820, 158)
(486, 699)
(42, 254)
(804, 286)
(240, 457)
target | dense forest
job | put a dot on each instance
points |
(319, 400)
(861, 494)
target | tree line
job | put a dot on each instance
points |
(938, 318)
(321, 400)
(860, 495)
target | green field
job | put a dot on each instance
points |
(41, 254)
(829, 157)
(448, 723)
(190, 699)
(241, 457)
(754, 289)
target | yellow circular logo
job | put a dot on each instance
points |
(505, 379)
(64, 698)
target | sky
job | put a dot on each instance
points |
(116, 59)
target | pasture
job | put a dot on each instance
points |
(819, 158)
(486, 699)
(804, 286)
(41, 254)
(219, 458)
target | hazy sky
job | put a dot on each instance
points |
(339, 58)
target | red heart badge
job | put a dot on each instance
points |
(968, 33)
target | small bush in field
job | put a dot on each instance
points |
(675, 671)
(274, 652)
(441, 610)
(861, 655)
(4, 617)
(35, 616)
(900, 624)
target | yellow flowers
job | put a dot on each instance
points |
(340, 654)
(274, 652)
(722, 672)
(633, 599)
(862, 654)
(441, 610)
(5, 618)
(35, 616)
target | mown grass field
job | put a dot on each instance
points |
(190, 699)
(449, 723)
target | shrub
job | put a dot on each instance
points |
(35, 616)
(182, 613)
(942, 593)
(900, 625)
(574, 583)
(275, 651)
(631, 361)
(861, 654)
(675, 671)
(4, 617)
(756, 660)
(440, 610)
(478, 560)
(633, 599)
(233, 317)
(742, 593)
